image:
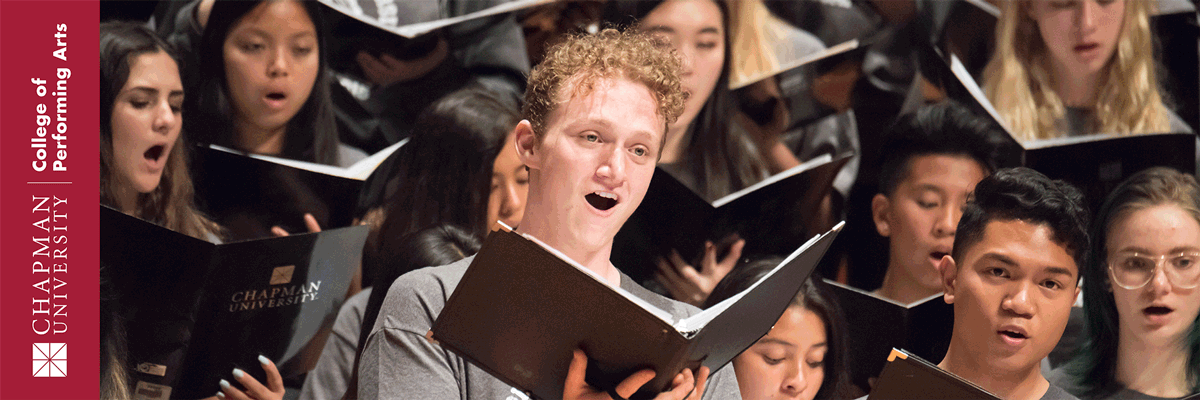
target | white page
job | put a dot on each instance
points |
(359, 171)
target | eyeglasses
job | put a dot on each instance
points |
(1135, 270)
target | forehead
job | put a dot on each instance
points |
(155, 70)
(684, 16)
(1158, 229)
(285, 17)
(943, 170)
(610, 102)
(1027, 246)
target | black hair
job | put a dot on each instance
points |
(311, 133)
(1094, 367)
(1025, 195)
(944, 128)
(444, 173)
(814, 296)
(722, 159)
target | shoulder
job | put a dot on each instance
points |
(1177, 125)
(1061, 379)
(415, 299)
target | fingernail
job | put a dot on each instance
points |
(224, 384)
(221, 395)
(237, 373)
(263, 359)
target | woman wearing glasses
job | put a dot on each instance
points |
(1141, 300)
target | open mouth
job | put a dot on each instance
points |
(1013, 334)
(1157, 310)
(937, 255)
(601, 200)
(276, 96)
(154, 153)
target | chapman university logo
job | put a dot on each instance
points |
(282, 275)
(49, 360)
(280, 292)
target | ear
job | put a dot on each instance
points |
(881, 214)
(949, 271)
(527, 142)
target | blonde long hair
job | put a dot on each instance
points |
(1127, 102)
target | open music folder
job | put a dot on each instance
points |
(522, 308)
(194, 310)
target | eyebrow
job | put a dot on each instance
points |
(666, 29)
(929, 187)
(660, 29)
(999, 257)
(1059, 271)
(263, 33)
(153, 91)
(1176, 250)
(776, 341)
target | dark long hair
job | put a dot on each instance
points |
(311, 133)
(1094, 368)
(721, 159)
(444, 172)
(171, 203)
(813, 296)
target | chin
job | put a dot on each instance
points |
(147, 185)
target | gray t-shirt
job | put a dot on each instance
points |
(329, 378)
(398, 362)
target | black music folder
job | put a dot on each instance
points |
(909, 377)
(800, 80)
(247, 194)
(1094, 163)
(876, 324)
(766, 215)
(195, 309)
(522, 308)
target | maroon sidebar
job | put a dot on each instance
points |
(49, 99)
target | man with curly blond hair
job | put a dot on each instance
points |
(596, 116)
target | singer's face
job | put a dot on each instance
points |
(146, 121)
(271, 64)
(787, 363)
(595, 161)
(1012, 293)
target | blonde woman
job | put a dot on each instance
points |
(1075, 67)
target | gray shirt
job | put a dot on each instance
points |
(329, 378)
(399, 362)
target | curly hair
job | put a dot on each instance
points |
(1094, 368)
(1128, 98)
(578, 61)
(1025, 195)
